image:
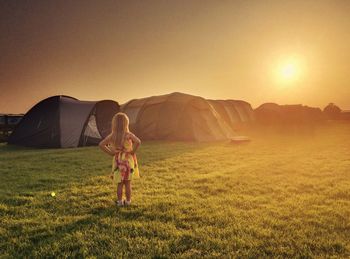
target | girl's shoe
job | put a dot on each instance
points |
(120, 203)
(127, 203)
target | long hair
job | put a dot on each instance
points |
(120, 125)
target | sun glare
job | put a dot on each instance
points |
(288, 71)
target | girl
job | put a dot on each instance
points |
(122, 145)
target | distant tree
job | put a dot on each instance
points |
(332, 111)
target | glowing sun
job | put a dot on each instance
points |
(289, 71)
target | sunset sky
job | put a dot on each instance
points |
(288, 52)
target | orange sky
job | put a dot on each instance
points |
(216, 49)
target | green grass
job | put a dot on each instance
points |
(282, 195)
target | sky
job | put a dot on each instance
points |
(288, 52)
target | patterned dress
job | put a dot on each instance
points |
(124, 164)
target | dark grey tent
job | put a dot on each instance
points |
(63, 121)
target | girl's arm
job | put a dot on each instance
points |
(136, 141)
(105, 148)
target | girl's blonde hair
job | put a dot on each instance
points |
(120, 126)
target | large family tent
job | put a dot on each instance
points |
(63, 121)
(234, 112)
(272, 113)
(176, 116)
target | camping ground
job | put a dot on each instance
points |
(282, 195)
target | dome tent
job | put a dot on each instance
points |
(176, 116)
(296, 114)
(63, 121)
(332, 111)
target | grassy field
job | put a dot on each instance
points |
(282, 195)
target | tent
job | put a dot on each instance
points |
(244, 109)
(63, 121)
(332, 111)
(272, 113)
(234, 112)
(176, 116)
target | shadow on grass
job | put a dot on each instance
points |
(26, 171)
(4, 147)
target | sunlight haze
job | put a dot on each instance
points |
(123, 50)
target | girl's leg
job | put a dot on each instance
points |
(128, 190)
(120, 192)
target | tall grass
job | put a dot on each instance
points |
(282, 195)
